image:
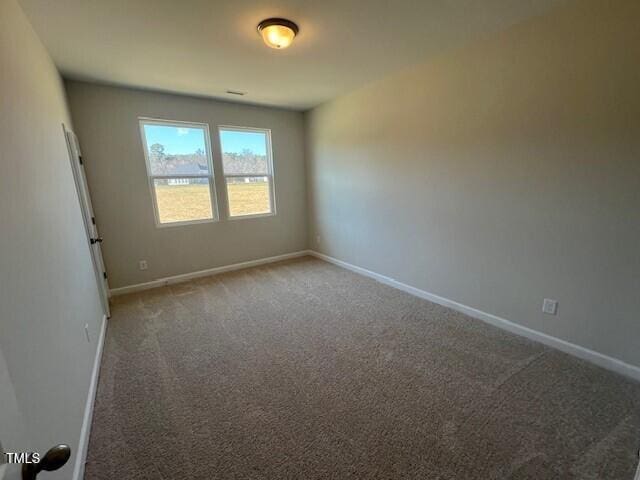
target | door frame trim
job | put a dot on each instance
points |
(79, 178)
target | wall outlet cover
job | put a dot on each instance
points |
(550, 306)
(142, 264)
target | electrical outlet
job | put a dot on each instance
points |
(86, 332)
(142, 264)
(550, 306)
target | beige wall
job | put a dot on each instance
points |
(499, 174)
(47, 286)
(106, 120)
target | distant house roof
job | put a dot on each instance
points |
(188, 169)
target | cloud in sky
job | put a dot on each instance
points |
(183, 131)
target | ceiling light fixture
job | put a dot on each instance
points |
(277, 32)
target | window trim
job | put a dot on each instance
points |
(142, 121)
(270, 174)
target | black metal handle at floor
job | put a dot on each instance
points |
(54, 459)
(96, 240)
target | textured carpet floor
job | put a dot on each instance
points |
(303, 370)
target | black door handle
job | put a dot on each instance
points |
(96, 240)
(55, 458)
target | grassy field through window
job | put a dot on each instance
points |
(248, 198)
(183, 203)
(180, 203)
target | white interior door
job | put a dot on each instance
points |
(93, 237)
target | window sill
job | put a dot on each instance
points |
(256, 215)
(187, 222)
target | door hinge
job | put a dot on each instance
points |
(80, 159)
(93, 220)
(104, 274)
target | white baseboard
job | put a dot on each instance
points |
(160, 282)
(599, 359)
(85, 432)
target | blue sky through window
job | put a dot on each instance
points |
(186, 140)
(236, 141)
(176, 140)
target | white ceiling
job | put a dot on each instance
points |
(205, 47)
